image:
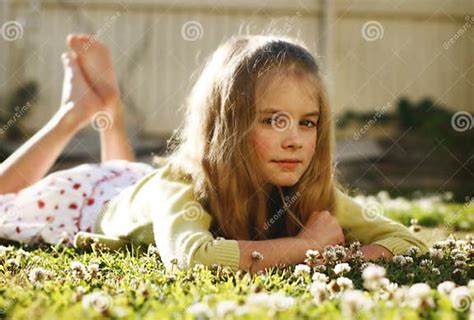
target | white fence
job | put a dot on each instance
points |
(410, 48)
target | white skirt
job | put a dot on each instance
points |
(55, 208)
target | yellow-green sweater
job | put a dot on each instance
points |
(161, 210)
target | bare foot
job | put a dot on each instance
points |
(79, 103)
(96, 63)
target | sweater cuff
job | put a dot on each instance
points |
(396, 246)
(224, 252)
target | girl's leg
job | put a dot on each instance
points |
(34, 159)
(54, 209)
(96, 63)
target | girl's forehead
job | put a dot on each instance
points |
(277, 84)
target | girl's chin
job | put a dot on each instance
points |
(286, 181)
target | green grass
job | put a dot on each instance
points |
(101, 284)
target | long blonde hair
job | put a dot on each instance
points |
(213, 146)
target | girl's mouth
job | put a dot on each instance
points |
(287, 164)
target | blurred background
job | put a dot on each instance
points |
(400, 76)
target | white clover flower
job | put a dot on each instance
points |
(470, 285)
(373, 272)
(280, 301)
(100, 301)
(275, 301)
(388, 292)
(258, 300)
(408, 260)
(446, 287)
(461, 298)
(93, 269)
(450, 242)
(4, 250)
(302, 269)
(391, 287)
(373, 275)
(383, 283)
(38, 275)
(383, 195)
(436, 271)
(13, 264)
(225, 307)
(400, 260)
(414, 251)
(419, 296)
(329, 254)
(455, 252)
(257, 255)
(459, 256)
(344, 283)
(319, 292)
(426, 263)
(436, 254)
(355, 245)
(242, 310)
(320, 277)
(340, 252)
(78, 269)
(461, 243)
(198, 267)
(354, 301)
(153, 250)
(22, 253)
(400, 296)
(342, 268)
(320, 268)
(313, 254)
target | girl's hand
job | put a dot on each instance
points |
(321, 230)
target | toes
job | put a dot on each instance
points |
(74, 42)
(69, 59)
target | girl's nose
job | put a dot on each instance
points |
(292, 138)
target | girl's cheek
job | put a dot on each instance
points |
(262, 144)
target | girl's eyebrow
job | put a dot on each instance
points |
(271, 110)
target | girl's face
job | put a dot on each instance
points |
(285, 128)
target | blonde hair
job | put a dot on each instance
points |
(213, 146)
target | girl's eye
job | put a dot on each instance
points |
(313, 125)
(269, 122)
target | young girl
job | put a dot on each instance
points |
(250, 171)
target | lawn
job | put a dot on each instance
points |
(57, 282)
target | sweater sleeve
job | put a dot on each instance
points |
(181, 231)
(374, 228)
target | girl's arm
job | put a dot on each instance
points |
(375, 251)
(374, 229)
(34, 158)
(320, 230)
(114, 142)
(289, 250)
